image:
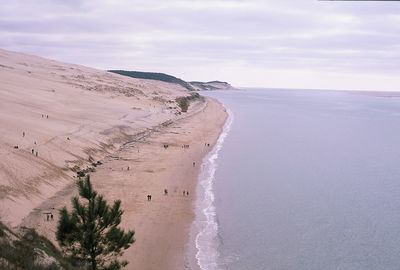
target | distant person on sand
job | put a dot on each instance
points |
(36, 153)
(184, 193)
(51, 216)
(23, 134)
(47, 216)
(187, 193)
(165, 191)
(149, 197)
(194, 164)
(33, 151)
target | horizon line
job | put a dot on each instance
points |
(312, 89)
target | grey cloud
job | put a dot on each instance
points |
(144, 34)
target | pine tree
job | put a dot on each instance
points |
(90, 233)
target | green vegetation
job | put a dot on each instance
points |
(89, 234)
(2, 228)
(209, 86)
(29, 251)
(183, 102)
(83, 172)
(154, 76)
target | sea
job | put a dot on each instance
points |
(301, 180)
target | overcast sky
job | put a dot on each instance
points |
(269, 43)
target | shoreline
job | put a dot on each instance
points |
(61, 118)
(74, 119)
(162, 225)
(173, 248)
(204, 229)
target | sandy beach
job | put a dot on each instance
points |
(62, 116)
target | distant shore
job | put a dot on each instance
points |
(156, 162)
(130, 134)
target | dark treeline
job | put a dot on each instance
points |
(154, 76)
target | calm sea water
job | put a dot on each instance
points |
(302, 180)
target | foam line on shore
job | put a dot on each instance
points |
(207, 227)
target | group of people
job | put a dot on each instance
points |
(184, 193)
(49, 216)
(187, 145)
(33, 150)
(34, 153)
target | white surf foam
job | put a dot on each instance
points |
(207, 237)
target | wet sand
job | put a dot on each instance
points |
(73, 116)
(161, 225)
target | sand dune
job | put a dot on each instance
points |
(68, 113)
(72, 116)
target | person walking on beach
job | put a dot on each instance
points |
(165, 191)
(187, 193)
(184, 193)
(23, 133)
(194, 164)
(51, 216)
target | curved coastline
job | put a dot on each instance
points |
(205, 226)
(163, 225)
(129, 126)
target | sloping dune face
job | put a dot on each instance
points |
(56, 116)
